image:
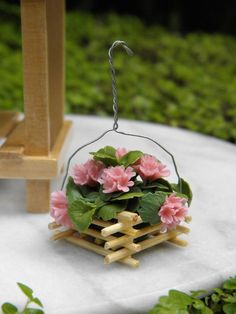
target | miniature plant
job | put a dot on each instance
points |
(221, 301)
(114, 180)
(8, 308)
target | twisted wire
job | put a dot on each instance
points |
(113, 78)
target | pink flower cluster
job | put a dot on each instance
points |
(149, 168)
(59, 209)
(172, 212)
(117, 179)
(88, 173)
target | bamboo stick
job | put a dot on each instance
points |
(112, 229)
(53, 225)
(116, 256)
(119, 227)
(96, 234)
(100, 250)
(117, 242)
(127, 217)
(188, 219)
(183, 229)
(158, 239)
(125, 238)
(98, 241)
(62, 234)
(102, 223)
(178, 241)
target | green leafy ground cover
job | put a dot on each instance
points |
(186, 81)
(221, 301)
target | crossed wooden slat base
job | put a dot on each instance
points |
(118, 241)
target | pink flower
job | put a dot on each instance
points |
(149, 168)
(88, 173)
(59, 209)
(117, 179)
(172, 212)
(120, 152)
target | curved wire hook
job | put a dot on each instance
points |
(115, 118)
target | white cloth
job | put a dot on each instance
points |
(72, 280)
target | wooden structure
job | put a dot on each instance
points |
(118, 241)
(33, 148)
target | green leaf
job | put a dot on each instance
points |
(159, 185)
(72, 191)
(230, 284)
(219, 291)
(229, 308)
(109, 211)
(108, 196)
(92, 197)
(26, 290)
(85, 190)
(180, 299)
(82, 220)
(37, 301)
(130, 158)
(230, 299)
(207, 310)
(186, 190)
(81, 214)
(128, 195)
(33, 311)
(197, 293)
(8, 308)
(215, 298)
(106, 155)
(150, 204)
(198, 304)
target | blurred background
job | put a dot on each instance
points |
(183, 72)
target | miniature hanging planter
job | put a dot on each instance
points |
(119, 202)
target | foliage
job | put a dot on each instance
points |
(86, 201)
(8, 308)
(222, 300)
(180, 80)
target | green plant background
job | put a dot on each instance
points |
(187, 80)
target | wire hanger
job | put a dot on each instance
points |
(115, 118)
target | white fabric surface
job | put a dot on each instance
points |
(71, 280)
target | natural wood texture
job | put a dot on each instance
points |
(121, 226)
(35, 74)
(11, 152)
(17, 135)
(34, 148)
(8, 120)
(53, 225)
(37, 196)
(35, 167)
(100, 250)
(178, 242)
(64, 234)
(120, 246)
(55, 42)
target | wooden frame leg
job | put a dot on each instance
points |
(43, 57)
(37, 196)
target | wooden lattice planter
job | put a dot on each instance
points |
(118, 241)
